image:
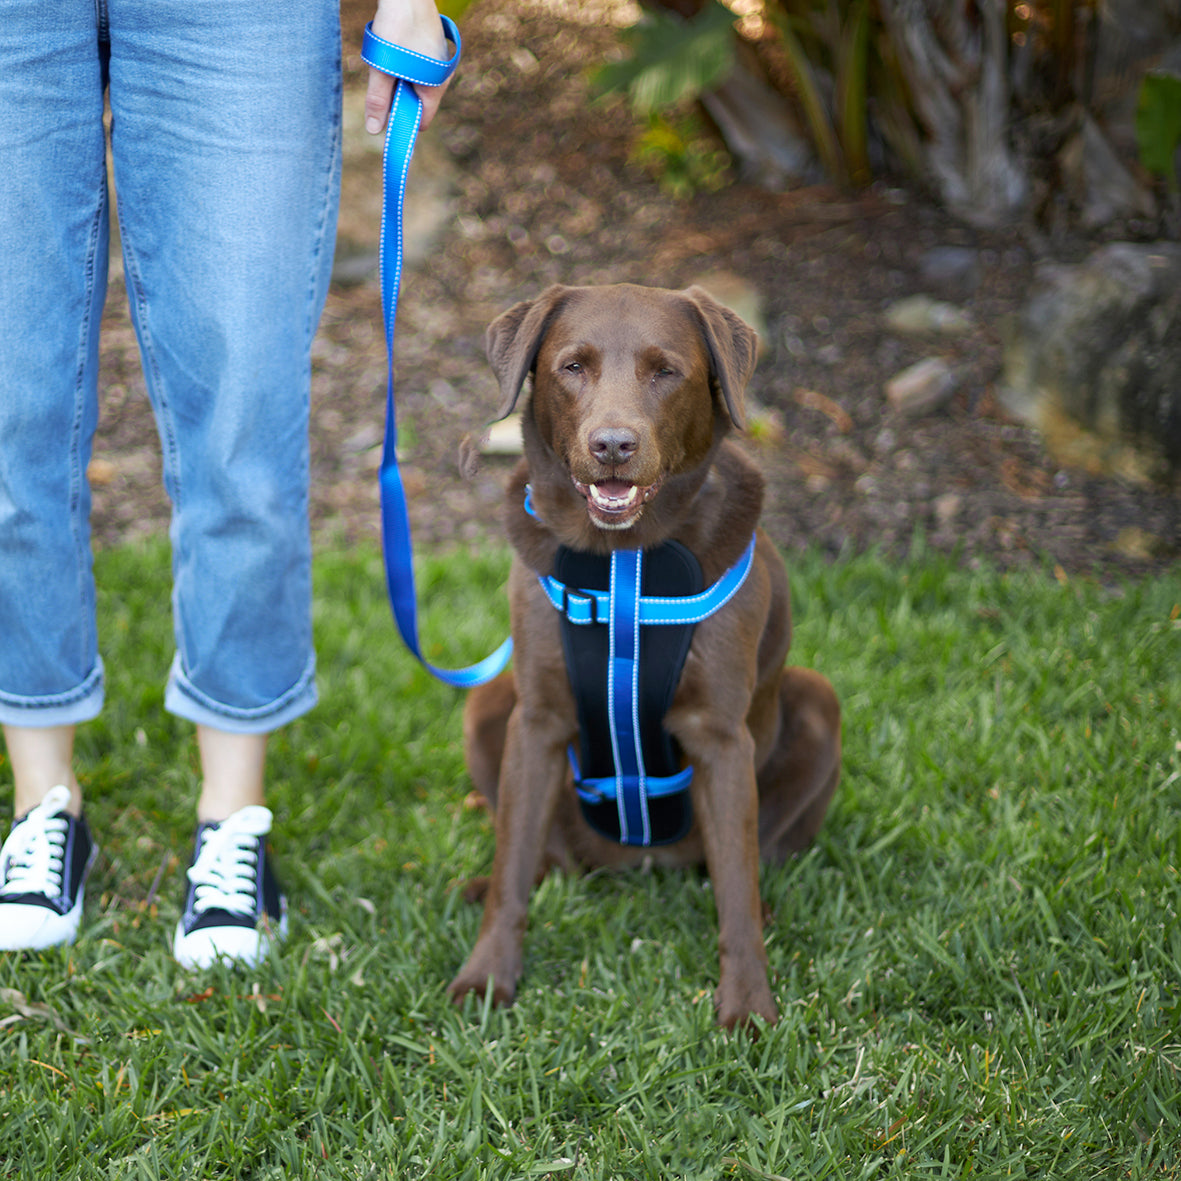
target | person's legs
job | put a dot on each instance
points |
(225, 140)
(42, 758)
(232, 772)
(53, 272)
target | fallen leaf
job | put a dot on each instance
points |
(815, 400)
(35, 1011)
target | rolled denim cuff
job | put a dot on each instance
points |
(185, 700)
(80, 704)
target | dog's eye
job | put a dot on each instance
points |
(665, 371)
(573, 367)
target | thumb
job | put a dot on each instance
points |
(378, 96)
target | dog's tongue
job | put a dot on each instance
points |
(614, 497)
(613, 490)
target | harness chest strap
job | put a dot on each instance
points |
(591, 606)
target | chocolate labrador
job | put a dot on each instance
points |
(703, 748)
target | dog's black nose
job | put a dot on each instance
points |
(613, 445)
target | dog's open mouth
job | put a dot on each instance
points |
(616, 504)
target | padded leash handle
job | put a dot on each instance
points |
(401, 135)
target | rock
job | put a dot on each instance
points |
(920, 315)
(503, 437)
(1094, 360)
(953, 271)
(739, 295)
(1137, 544)
(367, 436)
(947, 508)
(101, 472)
(922, 387)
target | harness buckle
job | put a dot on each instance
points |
(588, 607)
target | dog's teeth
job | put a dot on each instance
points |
(614, 501)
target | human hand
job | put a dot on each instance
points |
(415, 25)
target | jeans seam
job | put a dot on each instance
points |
(79, 528)
(325, 229)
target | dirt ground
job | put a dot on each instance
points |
(543, 192)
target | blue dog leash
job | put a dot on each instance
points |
(402, 133)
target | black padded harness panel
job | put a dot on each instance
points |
(668, 570)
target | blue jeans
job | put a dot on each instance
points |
(226, 147)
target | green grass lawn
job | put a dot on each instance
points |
(978, 965)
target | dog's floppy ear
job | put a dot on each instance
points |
(513, 339)
(733, 350)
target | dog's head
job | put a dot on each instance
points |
(632, 386)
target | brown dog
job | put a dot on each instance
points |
(634, 390)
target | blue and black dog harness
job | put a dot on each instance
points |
(627, 623)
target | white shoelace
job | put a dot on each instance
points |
(225, 870)
(33, 858)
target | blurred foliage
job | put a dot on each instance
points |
(672, 60)
(453, 8)
(838, 63)
(682, 155)
(826, 46)
(830, 54)
(1158, 125)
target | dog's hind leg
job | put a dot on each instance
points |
(798, 779)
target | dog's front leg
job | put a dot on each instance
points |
(726, 799)
(531, 776)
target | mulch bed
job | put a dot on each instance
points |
(545, 193)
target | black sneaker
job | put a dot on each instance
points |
(43, 868)
(233, 908)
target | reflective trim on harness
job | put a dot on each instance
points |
(591, 606)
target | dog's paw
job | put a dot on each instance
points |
(489, 966)
(465, 984)
(737, 1006)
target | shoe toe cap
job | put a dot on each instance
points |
(203, 948)
(25, 927)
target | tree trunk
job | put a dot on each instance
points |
(956, 58)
